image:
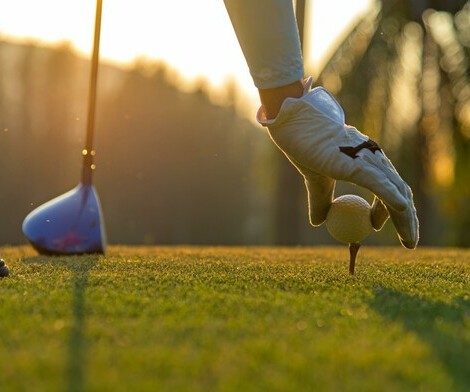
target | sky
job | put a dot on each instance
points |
(194, 36)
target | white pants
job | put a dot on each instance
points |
(269, 38)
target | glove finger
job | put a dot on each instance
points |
(406, 223)
(379, 214)
(381, 178)
(320, 191)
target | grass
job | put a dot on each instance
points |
(236, 319)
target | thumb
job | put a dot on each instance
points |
(320, 195)
(379, 214)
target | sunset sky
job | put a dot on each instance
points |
(195, 37)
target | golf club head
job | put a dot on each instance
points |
(69, 224)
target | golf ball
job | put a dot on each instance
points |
(348, 219)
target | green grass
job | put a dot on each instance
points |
(236, 319)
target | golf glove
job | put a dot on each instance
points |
(312, 133)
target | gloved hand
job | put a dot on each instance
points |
(311, 132)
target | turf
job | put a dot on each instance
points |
(236, 319)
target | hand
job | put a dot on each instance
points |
(311, 132)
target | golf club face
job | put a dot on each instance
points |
(69, 224)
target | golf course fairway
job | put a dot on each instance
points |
(236, 319)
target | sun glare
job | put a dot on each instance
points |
(194, 37)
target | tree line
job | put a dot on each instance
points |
(172, 167)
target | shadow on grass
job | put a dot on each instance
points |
(440, 325)
(77, 341)
(80, 267)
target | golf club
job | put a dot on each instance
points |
(73, 222)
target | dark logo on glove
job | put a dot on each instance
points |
(352, 151)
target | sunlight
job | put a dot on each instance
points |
(194, 37)
(330, 20)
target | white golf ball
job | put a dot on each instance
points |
(348, 219)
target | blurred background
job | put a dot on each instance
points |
(180, 159)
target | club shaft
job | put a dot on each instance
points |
(88, 152)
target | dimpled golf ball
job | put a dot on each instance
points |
(348, 219)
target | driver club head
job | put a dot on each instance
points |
(71, 223)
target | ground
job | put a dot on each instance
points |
(231, 319)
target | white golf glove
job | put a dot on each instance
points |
(312, 133)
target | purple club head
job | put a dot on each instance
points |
(69, 224)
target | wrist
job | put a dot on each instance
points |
(272, 98)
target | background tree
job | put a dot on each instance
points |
(402, 76)
(172, 167)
